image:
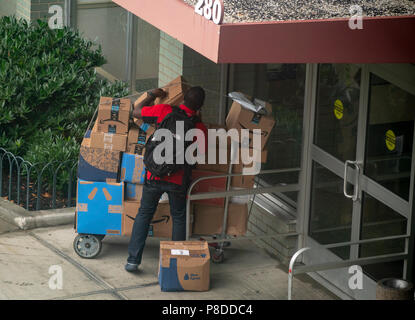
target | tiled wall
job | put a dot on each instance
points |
(40, 8)
(261, 222)
(171, 59)
(200, 71)
(31, 10)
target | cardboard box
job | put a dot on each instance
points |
(132, 168)
(136, 148)
(262, 154)
(208, 220)
(244, 181)
(113, 115)
(175, 89)
(184, 266)
(138, 136)
(161, 226)
(108, 141)
(242, 118)
(99, 207)
(133, 192)
(86, 142)
(98, 164)
(210, 185)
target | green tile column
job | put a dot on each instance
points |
(171, 59)
(23, 9)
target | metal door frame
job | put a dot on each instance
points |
(396, 75)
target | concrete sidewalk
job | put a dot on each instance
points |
(26, 256)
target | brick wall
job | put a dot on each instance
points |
(40, 8)
(200, 71)
(31, 10)
(262, 222)
(170, 59)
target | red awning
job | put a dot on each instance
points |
(382, 39)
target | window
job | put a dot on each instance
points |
(105, 23)
(148, 48)
(7, 8)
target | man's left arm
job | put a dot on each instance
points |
(151, 96)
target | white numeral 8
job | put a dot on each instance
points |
(207, 11)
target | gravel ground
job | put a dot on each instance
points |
(274, 10)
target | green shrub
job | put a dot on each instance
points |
(48, 89)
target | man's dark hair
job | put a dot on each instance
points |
(194, 98)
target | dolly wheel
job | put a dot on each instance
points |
(217, 256)
(87, 246)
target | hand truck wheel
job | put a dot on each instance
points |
(88, 246)
(217, 256)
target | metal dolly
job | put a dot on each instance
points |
(218, 255)
(89, 245)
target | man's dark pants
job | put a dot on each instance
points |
(152, 192)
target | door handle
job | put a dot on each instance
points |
(355, 194)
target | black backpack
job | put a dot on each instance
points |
(169, 123)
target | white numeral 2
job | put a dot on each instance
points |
(211, 10)
(199, 7)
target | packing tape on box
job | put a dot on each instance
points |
(108, 137)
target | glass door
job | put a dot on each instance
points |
(360, 182)
(387, 166)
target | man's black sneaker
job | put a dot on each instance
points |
(131, 267)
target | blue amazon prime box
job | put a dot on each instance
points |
(184, 266)
(99, 207)
(132, 168)
(97, 164)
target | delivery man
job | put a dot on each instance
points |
(175, 184)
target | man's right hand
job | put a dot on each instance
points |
(160, 93)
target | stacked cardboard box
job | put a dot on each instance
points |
(209, 214)
(111, 170)
(100, 195)
(133, 170)
(241, 117)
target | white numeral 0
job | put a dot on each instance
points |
(210, 10)
(217, 12)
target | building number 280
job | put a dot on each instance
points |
(211, 10)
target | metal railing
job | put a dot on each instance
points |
(292, 269)
(23, 182)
